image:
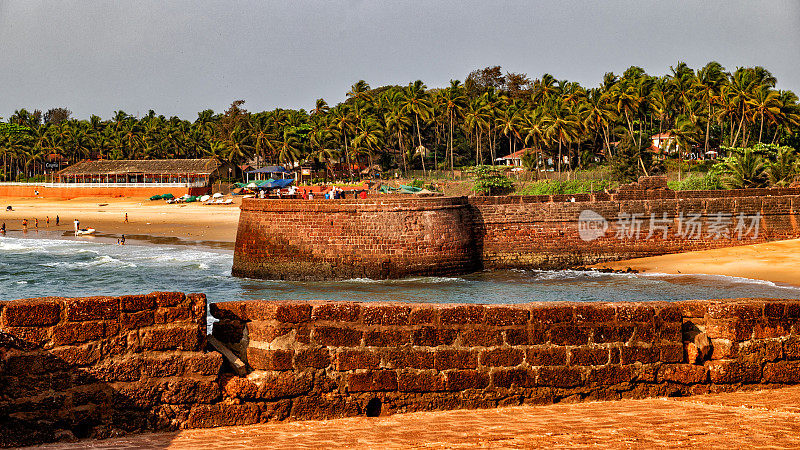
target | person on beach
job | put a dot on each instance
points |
(122, 240)
(36, 223)
(362, 195)
(47, 222)
(77, 224)
(56, 219)
(3, 229)
(24, 225)
(126, 217)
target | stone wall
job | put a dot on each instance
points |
(101, 366)
(105, 366)
(323, 360)
(17, 191)
(393, 237)
(340, 239)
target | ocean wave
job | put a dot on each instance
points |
(103, 260)
(421, 280)
(723, 278)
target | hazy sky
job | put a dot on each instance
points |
(182, 57)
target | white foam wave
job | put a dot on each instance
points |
(103, 260)
(723, 278)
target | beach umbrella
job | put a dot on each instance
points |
(252, 186)
(218, 195)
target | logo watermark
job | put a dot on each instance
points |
(635, 226)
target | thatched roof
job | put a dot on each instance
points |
(145, 166)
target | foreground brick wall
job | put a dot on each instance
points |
(393, 237)
(101, 366)
(375, 238)
(323, 360)
(76, 192)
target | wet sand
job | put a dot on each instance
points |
(778, 262)
(152, 221)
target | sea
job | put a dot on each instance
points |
(39, 265)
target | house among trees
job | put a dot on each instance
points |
(189, 172)
(664, 143)
(514, 159)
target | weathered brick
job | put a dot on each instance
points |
(32, 312)
(612, 333)
(336, 337)
(162, 366)
(222, 415)
(357, 359)
(420, 381)
(634, 313)
(171, 314)
(432, 336)
(669, 313)
(317, 357)
(284, 384)
(559, 376)
(167, 298)
(133, 303)
(373, 380)
(409, 358)
(610, 375)
(133, 320)
(588, 356)
(731, 329)
(728, 372)
(471, 337)
(671, 352)
(422, 315)
(338, 312)
(459, 380)
(204, 363)
(516, 377)
(455, 359)
(782, 372)
(683, 373)
(506, 315)
(546, 356)
(185, 337)
(92, 308)
(749, 311)
(501, 357)
(386, 338)
(261, 359)
(463, 314)
(551, 314)
(71, 333)
(568, 334)
(760, 351)
(774, 309)
(644, 355)
(289, 312)
(80, 355)
(386, 315)
(594, 313)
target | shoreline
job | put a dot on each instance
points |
(776, 261)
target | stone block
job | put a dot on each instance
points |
(733, 371)
(613, 332)
(92, 308)
(568, 334)
(77, 355)
(420, 381)
(541, 314)
(633, 312)
(222, 415)
(162, 366)
(287, 312)
(595, 313)
(357, 359)
(372, 380)
(747, 311)
(611, 375)
(459, 380)
(671, 352)
(422, 315)
(167, 298)
(559, 376)
(506, 315)
(261, 359)
(71, 333)
(385, 315)
(387, 338)
(204, 363)
(683, 373)
(463, 314)
(481, 337)
(316, 357)
(588, 356)
(782, 372)
(238, 387)
(644, 355)
(546, 356)
(404, 358)
(181, 337)
(171, 314)
(432, 336)
(132, 320)
(336, 312)
(445, 359)
(32, 312)
(284, 384)
(502, 357)
(336, 337)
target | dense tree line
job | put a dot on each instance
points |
(490, 114)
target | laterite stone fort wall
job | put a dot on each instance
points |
(106, 366)
(393, 237)
(340, 239)
(333, 359)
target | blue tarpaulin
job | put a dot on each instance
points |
(269, 169)
(277, 184)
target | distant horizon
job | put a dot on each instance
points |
(179, 58)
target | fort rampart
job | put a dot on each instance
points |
(103, 366)
(392, 237)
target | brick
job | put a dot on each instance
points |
(635, 313)
(771, 328)
(683, 373)
(171, 314)
(229, 310)
(459, 380)
(760, 351)
(92, 308)
(669, 331)
(387, 338)
(728, 372)
(386, 315)
(505, 316)
(227, 330)
(455, 359)
(595, 313)
(730, 329)
(222, 415)
(32, 312)
(30, 336)
(588, 356)
(792, 310)
(81, 355)
(791, 348)
(409, 358)
(289, 312)
(238, 387)
(671, 353)
(734, 310)
(261, 359)
(174, 337)
(782, 372)
(568, 334)
(317, 357)
(502, 357)
(559, 376)
(611, 375)
(669, 313)
(774, 309)
(338, 312)
(547, 356)
(163, 366)
(612, 333)
(284, 384)
(644, 355)
(551, 314)
(129, 321)
(357, 359)
(481, 338)
(432, 336)
(336, 337)
(204, 363)
(167, 298)
(133, 303)
(464, 314)
(71, 333)
(422, 315)
(420, 381)
(370, 381)
(517, 377)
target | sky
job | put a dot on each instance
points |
(181, 57)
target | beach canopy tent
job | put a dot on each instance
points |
(403, 189)
(265, 184)
(258, 173)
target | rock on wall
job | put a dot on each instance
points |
(100, 366)
(322, 360)
(375, 238)
(391, 237)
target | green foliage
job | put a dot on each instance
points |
(9, 129)
(417, 183)
(758, 166)
(697, 182)
(490, 180)
(632, 161)
(553, 187)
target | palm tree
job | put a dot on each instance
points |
(560, 126)
(417, 102)
(710, 80)
(744, 170)
(786, 166)
(369, 139)
(766, 102)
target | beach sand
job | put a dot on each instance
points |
(147, 220)
(777, 261)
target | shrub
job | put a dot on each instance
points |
(489, 180)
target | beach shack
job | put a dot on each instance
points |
(191, 172)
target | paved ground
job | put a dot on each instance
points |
(765, 419)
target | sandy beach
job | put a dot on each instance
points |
(146, 219)
(778, 262)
